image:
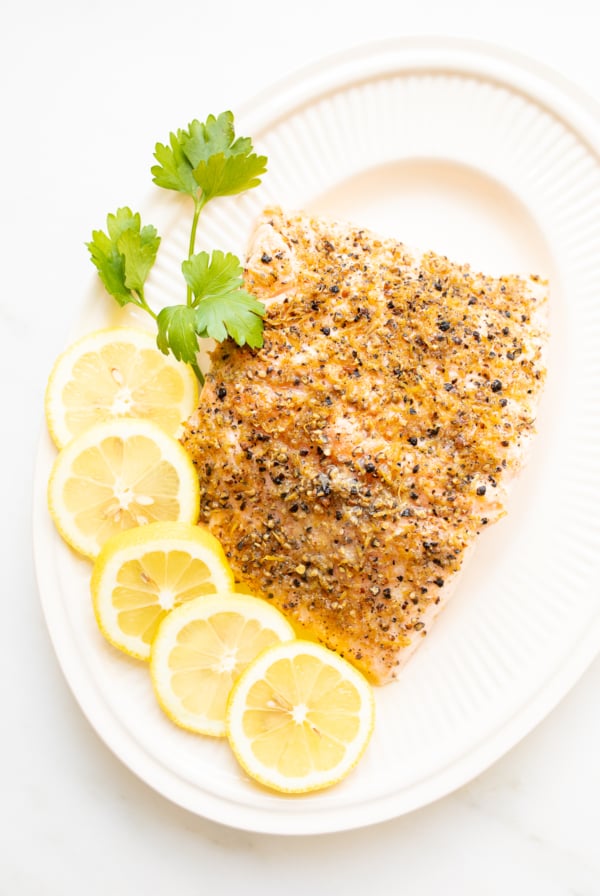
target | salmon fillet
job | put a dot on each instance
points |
(348, 465)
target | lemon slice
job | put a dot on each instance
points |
(300, 717)
(117, 475)
(202, 647)
(117, 373)
(143, 573)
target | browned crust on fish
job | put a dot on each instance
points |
(348, 465)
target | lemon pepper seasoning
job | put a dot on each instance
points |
(364, 427)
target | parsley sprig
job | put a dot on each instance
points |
(204, 161)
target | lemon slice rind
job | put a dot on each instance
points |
(113, 395)
(241, 743)
(135, 547)
(187, 497)
(168, 638)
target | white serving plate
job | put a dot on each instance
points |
(490, 159)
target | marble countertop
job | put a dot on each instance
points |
(83, 87)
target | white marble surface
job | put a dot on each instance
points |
(85, 93)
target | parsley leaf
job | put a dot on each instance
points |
(226, 175)
(212, 274)
(177, 333)
(236, 314)
(174, 171)
(208, 157)
(223, 308)
(215, 135)
(139, 249)
(124, 256)
(111, 266)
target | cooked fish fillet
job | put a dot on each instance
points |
(349, 464)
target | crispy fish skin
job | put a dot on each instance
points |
(348, 465)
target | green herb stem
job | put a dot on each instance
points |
(199, 203)
(143, 304)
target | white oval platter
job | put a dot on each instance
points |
(490, 159)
